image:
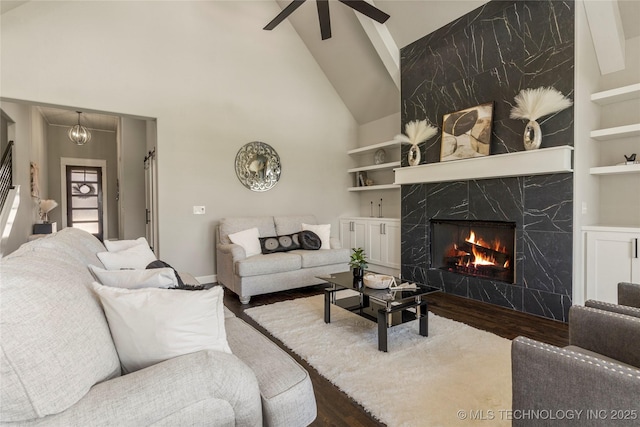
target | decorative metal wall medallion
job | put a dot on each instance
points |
(258, 166)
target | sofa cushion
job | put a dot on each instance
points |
(320, 258)
(268, 264)
(121, 245)
(233, 225)
(55, 339)
(288, 242)
(136, 257)
(152, 325)
(285, 386)
(309, 240)
(292, 224)
(135, 279)
(249, 240)
(323, 231)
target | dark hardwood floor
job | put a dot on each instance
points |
(336, 408)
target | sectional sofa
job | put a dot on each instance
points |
(59, 364)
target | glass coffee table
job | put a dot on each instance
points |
(385, 306)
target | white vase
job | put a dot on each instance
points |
(532, 136)
(414, 155)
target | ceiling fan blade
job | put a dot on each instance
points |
(291, 7)
(367, 9)
(324, 18)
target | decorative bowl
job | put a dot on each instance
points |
(377, 281)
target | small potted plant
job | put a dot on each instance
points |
(358, 262)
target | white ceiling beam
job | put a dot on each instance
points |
(607, 34)
(383, 43)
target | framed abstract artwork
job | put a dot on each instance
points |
(467, 133)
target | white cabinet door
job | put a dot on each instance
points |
(353, 233)
(375, 239)
(392, 236)
(345, 233)
(384, 243)
(612, 257)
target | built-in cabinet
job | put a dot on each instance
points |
(376, 163)
(384, 242)
(353, 232)
(611, 135)
(612, 256)
(379, 237)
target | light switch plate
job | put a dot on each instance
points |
(198, 210)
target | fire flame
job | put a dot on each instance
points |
(484, 259)
(481, 259)
(495, 245)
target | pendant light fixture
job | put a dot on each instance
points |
(79, 134)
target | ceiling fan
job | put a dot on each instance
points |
(323, 14)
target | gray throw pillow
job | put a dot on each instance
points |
(288, 242)
(309, 240)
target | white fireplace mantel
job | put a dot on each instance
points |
(534, 162)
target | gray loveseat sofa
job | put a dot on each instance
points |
(59, 365)
(261, 274)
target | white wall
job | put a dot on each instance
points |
(215, 81)
(133, 142)
(28, 136)
(586, 114)
(39, 150)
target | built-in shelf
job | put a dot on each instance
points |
(534, 162)
(616, 132)
(375, 187)
(615, 170)
(620, 94)
(374, 147)
(385, 180)
(382, 166)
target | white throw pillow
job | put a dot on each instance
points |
(121, 245)
(137, 257)
(151, 325)
(249, 240)
(323, 231)
(136, 279)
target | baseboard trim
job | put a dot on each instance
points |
(205, 280)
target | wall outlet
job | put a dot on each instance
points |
(584, 208)
(198, 210)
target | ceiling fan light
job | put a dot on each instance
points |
(79, 134)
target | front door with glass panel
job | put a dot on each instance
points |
(84, 199)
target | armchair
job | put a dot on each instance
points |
(594, 380)
(628, 300)
(629, 294)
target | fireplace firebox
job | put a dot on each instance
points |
(474, 248)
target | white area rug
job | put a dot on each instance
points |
(421, 381)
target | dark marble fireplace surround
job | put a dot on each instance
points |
(489, 55)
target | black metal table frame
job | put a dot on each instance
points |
(384, 314)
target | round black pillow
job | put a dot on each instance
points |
(309, 240)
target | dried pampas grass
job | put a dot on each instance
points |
(531, 104)
(47, 205)
(417, 131)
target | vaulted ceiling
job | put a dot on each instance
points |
(352, 64)
(349, 58)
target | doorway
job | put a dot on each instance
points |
(84, 190)
(84, 201)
